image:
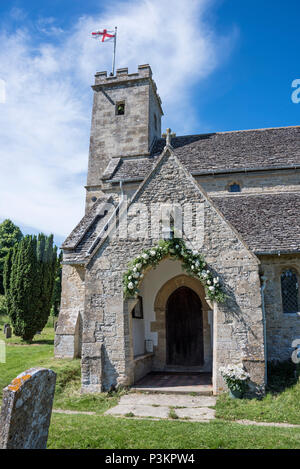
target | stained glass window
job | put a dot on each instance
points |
(289, 291)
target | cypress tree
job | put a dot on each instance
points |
(24, 294)
(7, 273)
(57, 286)
(10, 234)
(29, 280)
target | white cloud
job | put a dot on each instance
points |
(45, 121)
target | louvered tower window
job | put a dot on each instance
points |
(289, 291)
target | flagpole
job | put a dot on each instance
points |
(114, 56)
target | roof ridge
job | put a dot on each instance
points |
(235, 131)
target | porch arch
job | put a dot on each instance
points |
(159, 324)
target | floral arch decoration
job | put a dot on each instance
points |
(192, 262)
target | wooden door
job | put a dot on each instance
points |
(184, 328)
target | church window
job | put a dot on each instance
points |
(289, 291)
(120, 108)
(234, 187)
(155, 121)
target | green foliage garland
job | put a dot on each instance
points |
(192, 262)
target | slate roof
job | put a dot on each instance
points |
(266, 222)
(78, 243)
(221, 152)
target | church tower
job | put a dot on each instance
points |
(126, 121)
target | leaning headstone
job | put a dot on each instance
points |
(5, 326)
(8, 332)
(26, 410)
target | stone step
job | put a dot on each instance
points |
(204, 390)
(162, 406)
(160, 399)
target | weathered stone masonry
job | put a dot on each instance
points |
(244, 233)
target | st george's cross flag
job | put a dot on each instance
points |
(104, 36)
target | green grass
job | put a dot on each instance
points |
(100, 431)
(21, 356)
(281, 403)
(85, 431)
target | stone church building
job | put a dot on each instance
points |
(246, 187)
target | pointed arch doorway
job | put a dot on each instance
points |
(184, 329)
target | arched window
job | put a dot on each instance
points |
(289, 291)
(234, 187)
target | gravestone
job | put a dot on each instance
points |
(8, 331)
(26, 410)
(5, 326)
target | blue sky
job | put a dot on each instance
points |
(219, 65)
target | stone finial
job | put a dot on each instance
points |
(168, 136)
(26, 410)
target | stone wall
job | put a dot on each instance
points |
(131, 134)
(68, 333)
(107, 357)
(252, 183)
(282, 328)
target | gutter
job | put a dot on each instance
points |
(244, 170)
(262, 291)
(220, 172)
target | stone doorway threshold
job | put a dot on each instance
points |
(175, 383)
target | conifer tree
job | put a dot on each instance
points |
(23, 292)
(56, 296)
(6, 275)
(10, 234)
(29, 279)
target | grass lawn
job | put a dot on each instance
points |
(99, 431)
(281, 403)
(119, 433)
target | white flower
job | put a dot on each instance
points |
(208, 282)
(153, 253)
(216, 280)
(211, 289)
(145, 256)
(138, 266)
(134, 269)
(234, 372)
(130, 286)
(177, 246)
(129, 278)
(192, 267)
(136, 275)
